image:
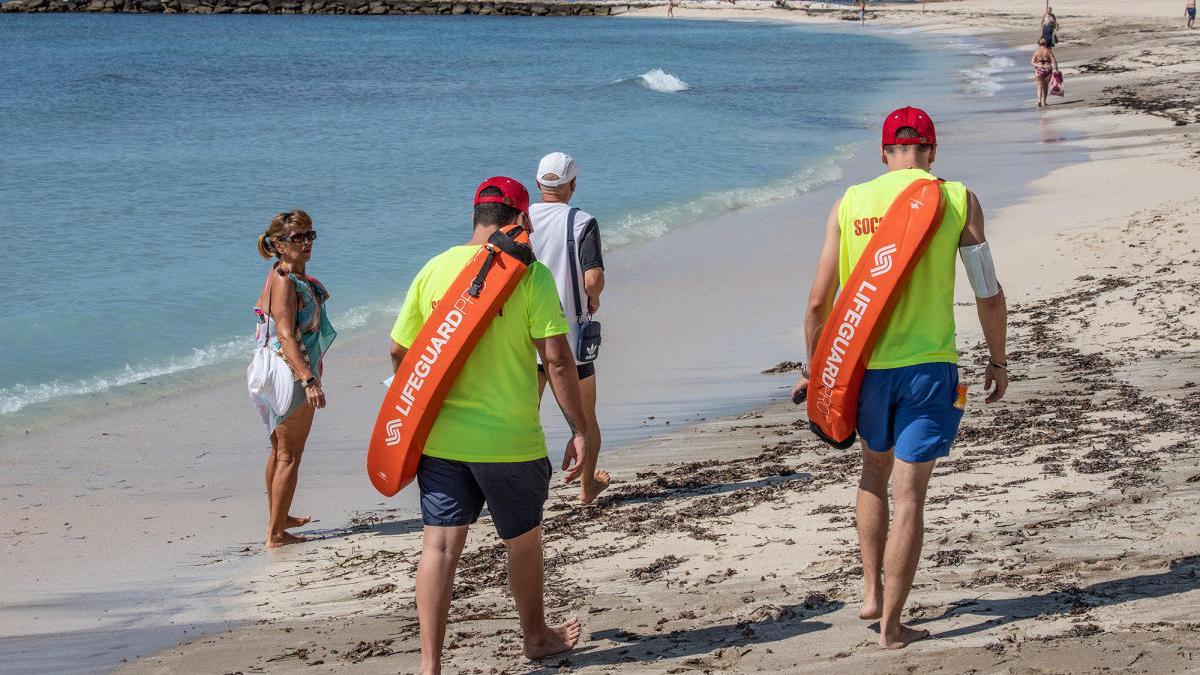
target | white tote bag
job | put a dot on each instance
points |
(270, 382)
(269, 379)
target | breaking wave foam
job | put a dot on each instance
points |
(657, 222)
(19, 396)
(657, 80)
(981, 78)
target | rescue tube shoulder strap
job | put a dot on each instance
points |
(500, 241)
(507, 242)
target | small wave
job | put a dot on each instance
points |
(981, 79)
(660, 80)
(959, 43)
(20, 396)
(657, 222)
(657, 80)
(355, 318)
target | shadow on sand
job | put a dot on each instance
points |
(386, 528)
(789, 621)
(649, 493)
(1183, 575)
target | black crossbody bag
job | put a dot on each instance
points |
(588, 346)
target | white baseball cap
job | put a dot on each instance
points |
(558, 164)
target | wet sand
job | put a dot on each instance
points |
(1060, 532)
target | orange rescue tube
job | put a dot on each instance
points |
(862, 308)
(435, 358)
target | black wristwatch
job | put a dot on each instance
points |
(311, 381)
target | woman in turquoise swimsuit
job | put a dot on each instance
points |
(293, 323)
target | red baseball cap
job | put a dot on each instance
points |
(512, 193)
(909, 117)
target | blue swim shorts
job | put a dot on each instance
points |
(911, 410)
(453, 493)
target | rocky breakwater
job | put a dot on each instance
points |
(503, 7)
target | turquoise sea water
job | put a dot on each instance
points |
(142, 155)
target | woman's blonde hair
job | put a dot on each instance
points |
(279, 226)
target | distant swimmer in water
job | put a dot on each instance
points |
(911, 401)
(1044, 64)
(1190, 10)
(293, 322)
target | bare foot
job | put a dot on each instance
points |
(553, 640)
(871, 609)
(297, 521)
(284, 539)
(902, 637)
(590, 489)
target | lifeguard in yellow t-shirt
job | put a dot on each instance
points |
(487, 444)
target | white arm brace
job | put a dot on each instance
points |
(980, 269)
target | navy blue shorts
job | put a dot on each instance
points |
(453, 493)
(910, 409)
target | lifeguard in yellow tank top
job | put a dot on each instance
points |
(881, 339)
(920, 328)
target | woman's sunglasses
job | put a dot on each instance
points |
(299, 237)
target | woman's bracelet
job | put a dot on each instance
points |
(996, 364)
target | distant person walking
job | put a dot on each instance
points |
(577, 263)
(1044, 66)
(862, 11)
(1190, 11)
(1050, 27)
(910, 403)
(292, 321)
(670, 8)
(487, 445)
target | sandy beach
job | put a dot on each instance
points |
(1060, 532)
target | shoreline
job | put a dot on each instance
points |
(659, 448)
